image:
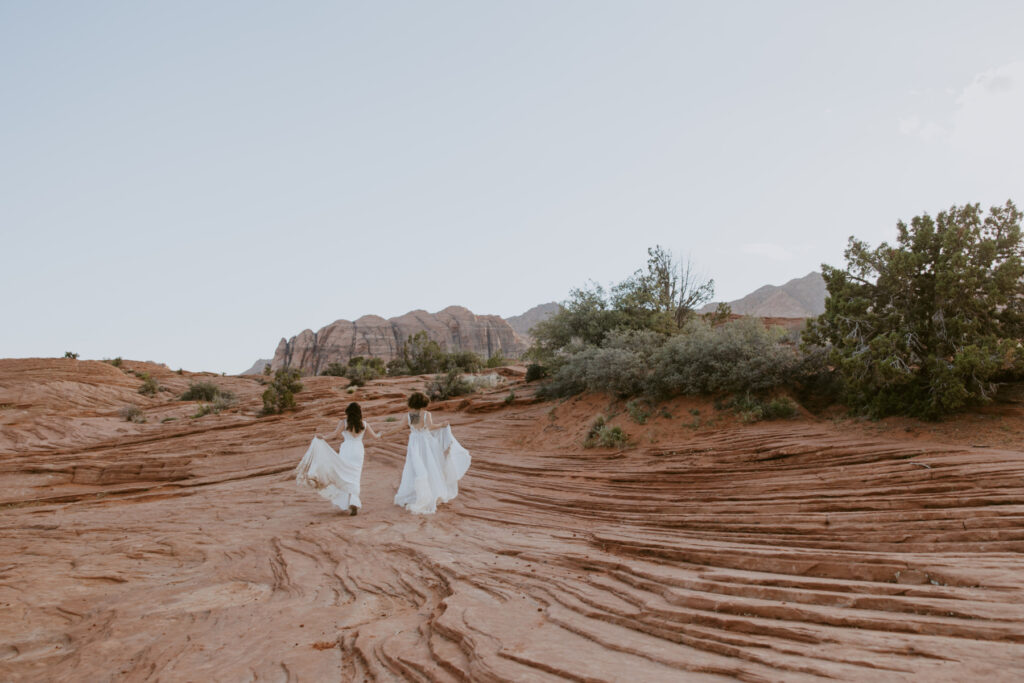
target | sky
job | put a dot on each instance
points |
(188, 182)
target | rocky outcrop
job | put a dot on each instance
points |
(523, 323)
(455, 329)
(799, 298)
(257, 367)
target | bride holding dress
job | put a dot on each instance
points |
(335, 476)
(434, 461)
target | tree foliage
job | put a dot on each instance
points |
(661, 297)
(280, 394)
(930, 324)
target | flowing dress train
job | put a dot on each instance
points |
(434, 463)
(335, 476)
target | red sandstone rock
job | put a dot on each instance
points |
(455, 329)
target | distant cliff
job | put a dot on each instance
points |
(455, 329)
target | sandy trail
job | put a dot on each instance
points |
(792, 551)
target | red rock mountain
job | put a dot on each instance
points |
(455, 329)
(799, 298)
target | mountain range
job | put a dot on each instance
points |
(458, 329)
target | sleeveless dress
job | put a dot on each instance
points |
(434, 463)
(335, 476)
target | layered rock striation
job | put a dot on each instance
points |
(455, 329)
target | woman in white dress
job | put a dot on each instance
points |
(434, 461)
(335, 476)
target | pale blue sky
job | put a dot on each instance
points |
(187, 182)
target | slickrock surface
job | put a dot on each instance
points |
(455, 329)
(711, 550)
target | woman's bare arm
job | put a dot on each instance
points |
(372, 433)
(341, 425)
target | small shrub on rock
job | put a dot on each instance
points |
(204, 391)
(132, 413)
(150, 386)
(280, 394)
(448, 385)
(70, 354)
(604, 435)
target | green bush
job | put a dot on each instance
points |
(739, 356)
(132, 413)
(932, 323)
(219, 404)
(448, 385)
(496, 360)
(510, 398)
(464, 361)
(661, 297)
(204, 391)
(753, 409)
(279, 396)
(70, 354)
(604, 435)
(150, 386)
(622, 366)
(116, 362)
(638, 412)
(535, 371)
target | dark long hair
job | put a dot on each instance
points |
(355, 418)
(418, 401)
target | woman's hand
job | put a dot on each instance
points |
(318, 436)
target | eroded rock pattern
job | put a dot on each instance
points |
(798, 550)
(455, 329)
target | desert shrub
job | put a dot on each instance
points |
(266, 369)
(740, 356)
(204, 391)
(358, 370)
(334, 369)
(419, 355)
(132, 413)
(448, 385)
(660, 297)
(497, 360)
(219, 404)
(465, 361)
(638, 412)
(754, 409)
(721, 314)
(535, 371)
(932, 323)
(279, 395)
(604, 435)
(70, 354)
(621, 366)
(180, 371)
(116, 362)
(510, 398)
(150, 386)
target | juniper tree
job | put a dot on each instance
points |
(932, 323)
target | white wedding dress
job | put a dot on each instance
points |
(335, 476)
(434, 464)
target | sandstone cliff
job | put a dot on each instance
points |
(455, 329)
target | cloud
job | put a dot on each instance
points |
(985, 121)
(988, 115)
